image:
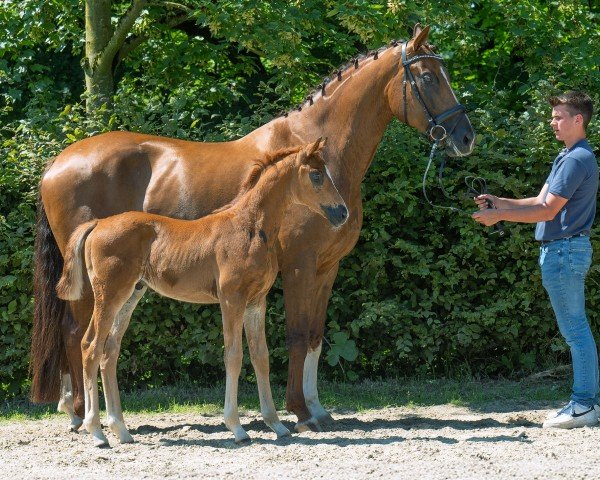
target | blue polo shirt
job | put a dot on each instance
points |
(574, 176)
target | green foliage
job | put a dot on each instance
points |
(425, 291)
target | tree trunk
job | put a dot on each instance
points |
(102, 45)
(98, 72)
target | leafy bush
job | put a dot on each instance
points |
(425, 291)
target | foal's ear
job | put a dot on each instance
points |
(316, 146)
(420, 36)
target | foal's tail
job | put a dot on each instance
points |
(47, 356)
(70, 285)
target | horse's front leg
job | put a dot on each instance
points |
(298, 291)
(315, 343)
(254, 326)
(108, 367)
(232, 310)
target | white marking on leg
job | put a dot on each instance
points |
(65, 404)
(309, 384)
(254, 325)
(108, 370)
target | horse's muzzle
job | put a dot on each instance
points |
(337, 215)
(461, 140)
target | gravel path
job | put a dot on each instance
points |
(440, 442)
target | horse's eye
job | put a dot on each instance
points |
(427, 78)
(316, 177)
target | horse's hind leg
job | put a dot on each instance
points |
(108, 367)
(232, 309)
(73, 325)
(254, 325)
(65, 403)
(316, 330)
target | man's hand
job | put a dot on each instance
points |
(486, 216)
(482, 201)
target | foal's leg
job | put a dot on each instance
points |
(108, 302)
(316, 330)
(232, 309)
(108, 367)
(254, 325)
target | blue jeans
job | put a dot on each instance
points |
(564, 264)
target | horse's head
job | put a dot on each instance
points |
(420, 95)
(315, 188)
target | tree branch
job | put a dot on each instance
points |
(123, 28)
(135, 42)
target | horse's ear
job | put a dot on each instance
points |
(420, 36)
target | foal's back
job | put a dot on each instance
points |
(177, 258)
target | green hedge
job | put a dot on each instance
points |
(425, 291)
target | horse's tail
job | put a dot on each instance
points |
(48, 354)
(70, 285)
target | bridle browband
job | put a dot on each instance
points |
(436, 130)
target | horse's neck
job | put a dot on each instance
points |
(263, 207)
(353, 116)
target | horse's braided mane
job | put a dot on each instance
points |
(258, 168)
(338, 72)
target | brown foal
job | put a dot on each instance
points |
(228, 257)
(122, 171)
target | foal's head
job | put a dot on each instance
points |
(314, 187)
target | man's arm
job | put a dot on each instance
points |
(527, 210)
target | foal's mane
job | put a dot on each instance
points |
(258, 168)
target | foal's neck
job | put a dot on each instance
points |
(353, 115)
(263, 206)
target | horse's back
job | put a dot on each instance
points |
(123, 171)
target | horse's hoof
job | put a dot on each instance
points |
(310, 425)
(325, 419)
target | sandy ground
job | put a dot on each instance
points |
(439, 442)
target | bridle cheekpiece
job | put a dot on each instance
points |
(436, 130)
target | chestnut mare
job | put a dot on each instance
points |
(121, 171)
(228, 257)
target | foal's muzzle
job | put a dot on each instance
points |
(337, 215)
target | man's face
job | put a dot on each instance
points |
(565, 125)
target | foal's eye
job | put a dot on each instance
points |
(316, 177)
(427, 78)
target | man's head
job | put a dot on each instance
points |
(571, 114)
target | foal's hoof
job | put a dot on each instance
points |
(310, 425)
(243, 441)
(100, 442)
(283, 433)
(75, 425)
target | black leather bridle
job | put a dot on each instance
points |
(436, 130)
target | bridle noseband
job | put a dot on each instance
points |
(436, 130)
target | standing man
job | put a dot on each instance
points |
(564, 212)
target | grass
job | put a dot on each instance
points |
(341, 397)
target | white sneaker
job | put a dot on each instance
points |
(573, 415)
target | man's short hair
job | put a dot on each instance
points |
(576, 103)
